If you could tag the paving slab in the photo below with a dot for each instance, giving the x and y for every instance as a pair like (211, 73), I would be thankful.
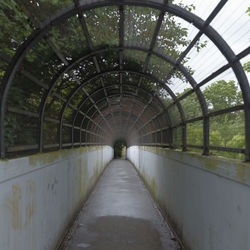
(120, 214)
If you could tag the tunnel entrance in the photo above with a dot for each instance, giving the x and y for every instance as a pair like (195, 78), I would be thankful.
(120, 149)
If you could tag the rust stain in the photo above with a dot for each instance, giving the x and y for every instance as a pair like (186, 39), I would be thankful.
(30, 207)
(14, 207)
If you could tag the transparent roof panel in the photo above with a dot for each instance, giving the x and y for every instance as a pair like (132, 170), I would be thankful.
(175, 35)
(235, 30)
(139, 25)
(39, 11)
(159, 67)
(108, 60)
(134, 59)
(103, 25)
(69, 38)
(203, 60)
(200, 8)
(178, 83)
(131, 78)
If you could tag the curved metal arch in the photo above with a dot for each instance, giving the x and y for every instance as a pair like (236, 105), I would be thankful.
(110, 86)
(132, 94)
(95, 76)
(99, 101)
(199, 23)
(113, 95)
(128, 93)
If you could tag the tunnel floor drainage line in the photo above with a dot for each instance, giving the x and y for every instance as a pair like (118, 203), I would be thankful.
(120, 215)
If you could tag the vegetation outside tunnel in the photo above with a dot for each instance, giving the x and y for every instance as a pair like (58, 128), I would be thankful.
(119, 149)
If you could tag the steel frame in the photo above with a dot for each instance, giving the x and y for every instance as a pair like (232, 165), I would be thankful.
(203, 26)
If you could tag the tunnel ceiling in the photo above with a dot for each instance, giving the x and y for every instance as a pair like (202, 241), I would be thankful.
(77, 73)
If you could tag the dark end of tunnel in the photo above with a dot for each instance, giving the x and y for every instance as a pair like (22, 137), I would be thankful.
(120, 149)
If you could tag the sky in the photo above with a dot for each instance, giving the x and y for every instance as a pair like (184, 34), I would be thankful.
(232, 23)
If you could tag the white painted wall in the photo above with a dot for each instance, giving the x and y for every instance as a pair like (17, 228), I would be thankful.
(206, 199)
(40, 195)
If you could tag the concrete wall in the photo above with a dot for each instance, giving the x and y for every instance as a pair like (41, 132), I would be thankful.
(40, 195)
(205, 199)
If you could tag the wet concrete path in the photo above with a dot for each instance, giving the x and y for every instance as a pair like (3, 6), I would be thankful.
(120, 215)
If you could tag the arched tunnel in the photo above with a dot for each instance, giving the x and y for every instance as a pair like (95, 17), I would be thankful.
(167, 78)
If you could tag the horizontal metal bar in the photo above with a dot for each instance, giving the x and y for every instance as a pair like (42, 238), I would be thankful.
(227, 110)
(233, 150)
(48, 119)
(56, 145)
(21, 148)
(22, 112)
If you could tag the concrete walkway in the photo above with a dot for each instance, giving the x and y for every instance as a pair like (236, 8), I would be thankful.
(120, 215)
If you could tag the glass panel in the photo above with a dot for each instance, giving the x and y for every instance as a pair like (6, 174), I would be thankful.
(50, 132)
(108, 60)
(178, 83)
(149, 85)
(68, 115)
(66, 134)
(40, 10)
(25, 94)
(195, 133)
(191, 106)
(134, 59)
(20, 130)
(174, 115)
(200, 8)
(86, 106)
(130, 78)
(14, 27)
(68, 36)
(139, 25)
(78, 98)
(159, 67)
(110, 79)
(204, 60)
(42, 62)
(222, 92)
(53, 107)
(177, 137)
(233, 25)
(76, 135)
(103, 25)
(175, 35)
(228, 130)
(93, 85)
(65, 86)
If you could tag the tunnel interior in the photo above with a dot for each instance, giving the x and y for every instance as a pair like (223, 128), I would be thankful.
(82, 81)
(79, 73)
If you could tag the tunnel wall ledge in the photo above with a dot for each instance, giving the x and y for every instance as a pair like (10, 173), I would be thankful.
(42, 193)
(205, 199)
(235, 170)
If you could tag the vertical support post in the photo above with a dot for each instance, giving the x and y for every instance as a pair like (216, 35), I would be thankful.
(184, 137)
(206, 135)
